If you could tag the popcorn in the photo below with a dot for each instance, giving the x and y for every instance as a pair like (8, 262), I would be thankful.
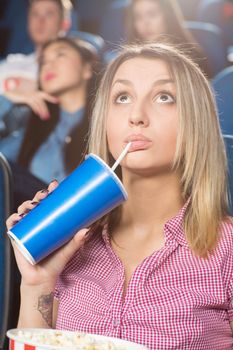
(66, 340)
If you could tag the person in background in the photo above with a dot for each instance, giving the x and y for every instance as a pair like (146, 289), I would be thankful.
(53, 147)
(153, 20)
(18, 71)
(158, 270)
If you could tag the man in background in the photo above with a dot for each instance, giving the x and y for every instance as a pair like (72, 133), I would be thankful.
(45, 22)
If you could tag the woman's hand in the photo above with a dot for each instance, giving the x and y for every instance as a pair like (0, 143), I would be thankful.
(34, 99)
(47, 271)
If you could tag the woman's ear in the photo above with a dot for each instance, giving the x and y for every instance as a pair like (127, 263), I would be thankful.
(87, 71)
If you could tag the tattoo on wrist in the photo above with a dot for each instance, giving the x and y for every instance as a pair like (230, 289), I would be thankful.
(45, 307)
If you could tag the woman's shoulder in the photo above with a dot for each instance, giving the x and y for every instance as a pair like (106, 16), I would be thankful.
(226, 234)
(223, 254)
(226, 225)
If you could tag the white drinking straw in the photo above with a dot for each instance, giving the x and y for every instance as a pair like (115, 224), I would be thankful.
(121, 156)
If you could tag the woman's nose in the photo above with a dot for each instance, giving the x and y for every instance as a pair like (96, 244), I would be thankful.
(50, 63)
(139, 116)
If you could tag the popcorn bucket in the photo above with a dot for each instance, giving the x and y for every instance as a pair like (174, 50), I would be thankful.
(44, 339)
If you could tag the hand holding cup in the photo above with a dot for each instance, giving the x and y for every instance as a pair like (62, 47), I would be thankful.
(48, 270)
(91, 191)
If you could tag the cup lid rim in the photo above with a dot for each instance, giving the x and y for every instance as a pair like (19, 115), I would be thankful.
(121, 186)
(21, 247)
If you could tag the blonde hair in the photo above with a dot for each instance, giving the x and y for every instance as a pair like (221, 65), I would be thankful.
(200, 152)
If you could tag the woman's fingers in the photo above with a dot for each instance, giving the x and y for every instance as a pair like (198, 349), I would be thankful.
(40, 195)
(27, 206)
(23, 209)
(12, 220)
(53, 184)
(48, 97)
(36, 100)
(70, 248)
(39, 106)
(44, 193)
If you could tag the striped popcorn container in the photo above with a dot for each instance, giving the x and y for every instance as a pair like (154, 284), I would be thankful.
(51, 339)
(20, 340)
(16, 345)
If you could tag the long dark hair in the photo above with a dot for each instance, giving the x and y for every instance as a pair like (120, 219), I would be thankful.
(176, 32)
(173, 18)
(38, 130)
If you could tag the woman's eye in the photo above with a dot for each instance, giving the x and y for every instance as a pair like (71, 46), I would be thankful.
(123, 99)
(165, 98)
(60, 54)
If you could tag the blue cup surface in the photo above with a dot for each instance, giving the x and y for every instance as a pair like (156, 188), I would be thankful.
(88, 193)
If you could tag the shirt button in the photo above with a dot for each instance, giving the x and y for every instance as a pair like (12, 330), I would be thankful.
(67, 139)
(116, 322)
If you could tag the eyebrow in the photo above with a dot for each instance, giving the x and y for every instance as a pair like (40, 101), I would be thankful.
(56, 49)
(156, 83)
(61, 46)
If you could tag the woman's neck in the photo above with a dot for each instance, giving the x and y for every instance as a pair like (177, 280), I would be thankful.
(151, 201)
(38, 48)
(71, 101)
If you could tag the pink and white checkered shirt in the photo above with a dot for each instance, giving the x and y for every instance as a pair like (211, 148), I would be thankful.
(175, 300)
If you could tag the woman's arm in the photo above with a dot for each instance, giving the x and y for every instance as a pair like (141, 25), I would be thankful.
(36, 309)
(55, 312)
(45, 305)
(38, 281)
(231, 323)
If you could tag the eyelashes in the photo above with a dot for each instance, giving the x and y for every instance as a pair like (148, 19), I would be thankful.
(119, 94)
(170, 97)
(162, 97)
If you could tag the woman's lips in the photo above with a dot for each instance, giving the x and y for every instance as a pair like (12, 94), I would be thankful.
(139, 145)
(49, 76)
(138, 142)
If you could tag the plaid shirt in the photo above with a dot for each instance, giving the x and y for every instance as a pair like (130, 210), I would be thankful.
(174, 300)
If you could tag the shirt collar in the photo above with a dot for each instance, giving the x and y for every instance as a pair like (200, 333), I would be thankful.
(173, 228)
(72, 117)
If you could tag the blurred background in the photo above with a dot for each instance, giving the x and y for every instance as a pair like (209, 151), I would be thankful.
(102, 17)
(205, 24)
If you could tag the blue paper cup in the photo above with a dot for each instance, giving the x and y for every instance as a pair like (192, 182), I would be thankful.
(88, 193)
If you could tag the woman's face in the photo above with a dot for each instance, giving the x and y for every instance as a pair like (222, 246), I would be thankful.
(148, 20)
(62, 69)
(143, 110)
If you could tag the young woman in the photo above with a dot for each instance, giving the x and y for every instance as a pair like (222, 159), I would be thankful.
(53, 143)
(158, 271)
(152, 20)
